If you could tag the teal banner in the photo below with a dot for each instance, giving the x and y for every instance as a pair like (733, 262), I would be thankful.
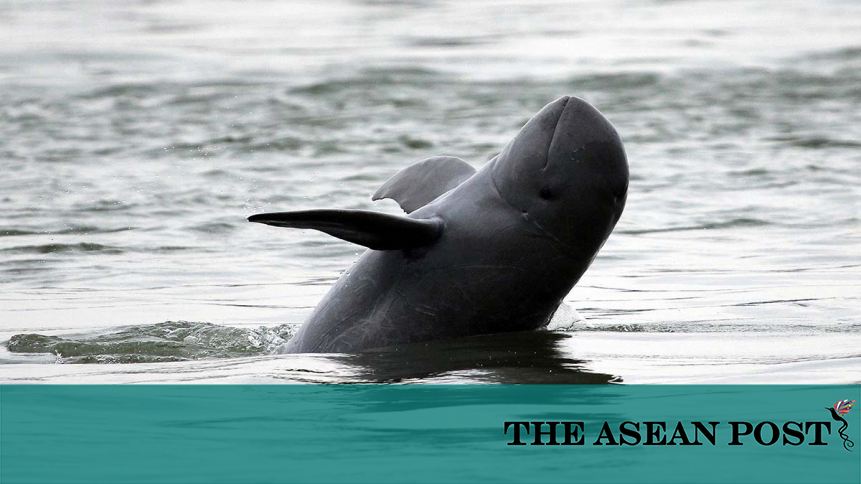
(429, 433)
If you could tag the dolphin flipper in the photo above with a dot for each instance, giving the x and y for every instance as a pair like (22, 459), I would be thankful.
(378, 231)
(420, 183)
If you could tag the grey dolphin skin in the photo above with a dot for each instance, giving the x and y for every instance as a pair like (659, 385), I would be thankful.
(488, 251)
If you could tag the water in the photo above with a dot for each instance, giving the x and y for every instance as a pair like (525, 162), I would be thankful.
(135, 138)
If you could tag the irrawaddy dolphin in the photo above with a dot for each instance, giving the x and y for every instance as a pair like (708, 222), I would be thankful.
(487, 251)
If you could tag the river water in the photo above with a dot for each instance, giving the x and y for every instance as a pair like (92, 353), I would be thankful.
(135, 137)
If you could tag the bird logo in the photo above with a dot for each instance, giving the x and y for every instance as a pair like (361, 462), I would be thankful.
(841, 408)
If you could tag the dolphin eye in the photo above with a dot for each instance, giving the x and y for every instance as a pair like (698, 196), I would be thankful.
(545, 193)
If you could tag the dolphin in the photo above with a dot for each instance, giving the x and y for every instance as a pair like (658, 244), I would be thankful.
(488, 251)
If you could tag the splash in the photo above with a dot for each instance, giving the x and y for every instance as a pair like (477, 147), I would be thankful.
(167, 341)
(565, 319)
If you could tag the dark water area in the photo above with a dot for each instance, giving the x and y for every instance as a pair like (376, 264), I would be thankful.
(136, 138)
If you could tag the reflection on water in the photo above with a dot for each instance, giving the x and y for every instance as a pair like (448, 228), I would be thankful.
(522, 357)
(135, 138)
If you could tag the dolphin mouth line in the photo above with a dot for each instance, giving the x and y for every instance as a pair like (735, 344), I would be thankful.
(570, 250)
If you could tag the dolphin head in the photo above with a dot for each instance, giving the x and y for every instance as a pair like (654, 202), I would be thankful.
(567, 173)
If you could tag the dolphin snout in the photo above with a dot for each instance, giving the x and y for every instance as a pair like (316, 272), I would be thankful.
(576, 114)
(579, 125)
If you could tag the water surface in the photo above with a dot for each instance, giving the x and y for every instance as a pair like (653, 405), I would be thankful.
(135, 138)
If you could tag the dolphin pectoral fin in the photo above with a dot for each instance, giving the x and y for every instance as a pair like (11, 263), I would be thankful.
(418, 184)
(378, 231)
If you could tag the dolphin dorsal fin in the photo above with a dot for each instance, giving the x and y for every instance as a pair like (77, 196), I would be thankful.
(418, 184)
(374, 230)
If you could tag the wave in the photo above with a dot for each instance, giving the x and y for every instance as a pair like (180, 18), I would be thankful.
(742, 222)
(54, 248)
(167, 341)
